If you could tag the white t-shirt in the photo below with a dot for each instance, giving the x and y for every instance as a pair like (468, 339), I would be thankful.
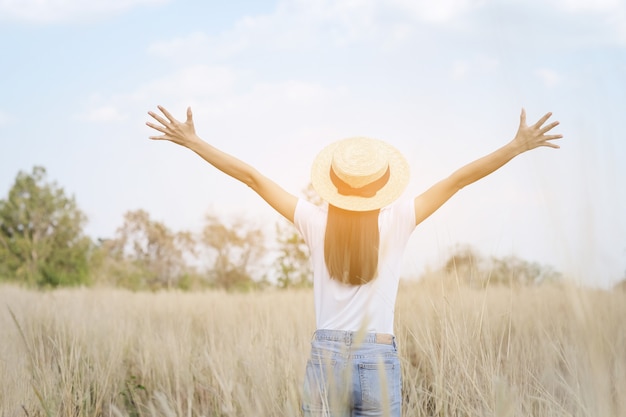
(371, 306)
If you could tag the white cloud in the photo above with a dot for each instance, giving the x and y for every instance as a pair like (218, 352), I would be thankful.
(104, 114)
(46, 11)
(549, 77)
(437, 11)
(582, 6)
(283, 29)
(189, 85)
(197, 81)
(611, 13)
(184, 46)
(377, 19)
(222, 95)
(299, 24)
(284, 97)
(307, 24)
(479, 65)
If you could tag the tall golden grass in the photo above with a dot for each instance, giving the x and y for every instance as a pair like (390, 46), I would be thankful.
(537, 351)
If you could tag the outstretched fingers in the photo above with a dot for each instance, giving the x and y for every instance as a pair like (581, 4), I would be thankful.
(165, 124)
(162, 127)
(541, 121)
(545, 129)
(553, 137)
(542, 130)
(159, 128)
(167, 114)
(548, 138)
(548, 127)
(157, 118)
(551, 145)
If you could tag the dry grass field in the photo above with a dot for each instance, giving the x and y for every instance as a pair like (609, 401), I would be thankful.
(540, 351)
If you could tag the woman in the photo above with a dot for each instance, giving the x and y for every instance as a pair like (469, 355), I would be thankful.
(356, 246)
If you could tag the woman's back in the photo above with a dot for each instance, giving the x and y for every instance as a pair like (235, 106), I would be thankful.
(368, 307)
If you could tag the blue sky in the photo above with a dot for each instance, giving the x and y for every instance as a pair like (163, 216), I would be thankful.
(272, 82)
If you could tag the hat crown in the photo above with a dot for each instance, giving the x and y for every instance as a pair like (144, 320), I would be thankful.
(359, 162)
(359, 174)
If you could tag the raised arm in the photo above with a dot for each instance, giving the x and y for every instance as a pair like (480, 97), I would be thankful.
(527, 138)
(184, 134)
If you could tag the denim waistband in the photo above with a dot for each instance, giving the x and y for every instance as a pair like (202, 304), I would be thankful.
(350, 337)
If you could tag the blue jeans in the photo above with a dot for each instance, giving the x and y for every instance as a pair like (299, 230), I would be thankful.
(352, 375)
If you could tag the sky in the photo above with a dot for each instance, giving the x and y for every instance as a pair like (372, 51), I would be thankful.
(273, 82)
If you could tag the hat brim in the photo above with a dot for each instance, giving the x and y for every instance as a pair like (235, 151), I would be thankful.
(391, 191)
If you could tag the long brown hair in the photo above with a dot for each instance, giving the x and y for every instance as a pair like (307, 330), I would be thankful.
(351, 245)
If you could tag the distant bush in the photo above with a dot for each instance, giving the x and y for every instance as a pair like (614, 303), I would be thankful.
(466, 266)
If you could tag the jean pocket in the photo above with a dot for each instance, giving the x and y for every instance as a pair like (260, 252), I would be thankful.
(324, 385)
(380, 385)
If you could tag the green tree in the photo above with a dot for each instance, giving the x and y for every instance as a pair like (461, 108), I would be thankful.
(146, 253)
(41, 234)
(292, 266)
(234, 250)
(110, 266)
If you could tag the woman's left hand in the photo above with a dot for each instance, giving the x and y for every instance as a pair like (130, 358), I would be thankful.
(181, 133)
(531, 137)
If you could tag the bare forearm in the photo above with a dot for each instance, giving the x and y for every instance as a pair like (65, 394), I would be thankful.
(484, 166)
(226, 163)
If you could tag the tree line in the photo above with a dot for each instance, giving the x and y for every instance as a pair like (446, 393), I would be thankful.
(43, 244)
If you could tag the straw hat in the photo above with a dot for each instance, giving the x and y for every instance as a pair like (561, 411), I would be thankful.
(359, 174)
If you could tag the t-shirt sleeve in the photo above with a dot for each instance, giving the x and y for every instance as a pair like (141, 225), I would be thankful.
(305, 218)
(403, 223)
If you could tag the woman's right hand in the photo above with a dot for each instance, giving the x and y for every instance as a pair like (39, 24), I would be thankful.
(181, 133)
